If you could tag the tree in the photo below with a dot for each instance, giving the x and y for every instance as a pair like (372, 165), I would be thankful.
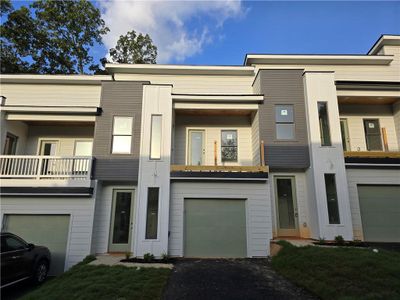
(134, 49)
(55, 35)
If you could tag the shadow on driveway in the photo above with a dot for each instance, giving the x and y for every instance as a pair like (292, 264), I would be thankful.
(19, 289)
(229, 279)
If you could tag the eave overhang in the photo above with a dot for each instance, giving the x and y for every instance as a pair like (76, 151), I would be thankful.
(179, 69)
(53, 79)
(318, 59)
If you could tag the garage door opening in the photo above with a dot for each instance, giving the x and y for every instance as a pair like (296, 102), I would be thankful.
(44, 230)
(380, 212)
(215, 228)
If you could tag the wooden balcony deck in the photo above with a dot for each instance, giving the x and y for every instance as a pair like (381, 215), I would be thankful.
(372, 154)
(246, 169)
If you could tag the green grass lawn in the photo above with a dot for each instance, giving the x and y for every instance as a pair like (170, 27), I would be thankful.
(341, 273)
(104, 282)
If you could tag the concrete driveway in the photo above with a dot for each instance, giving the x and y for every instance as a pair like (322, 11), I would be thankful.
(229, 279)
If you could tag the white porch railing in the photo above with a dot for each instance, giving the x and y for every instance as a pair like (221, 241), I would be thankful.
(45, 167)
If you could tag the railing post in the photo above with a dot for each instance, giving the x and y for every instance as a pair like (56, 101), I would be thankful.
(385, 139)
(262, 157)
(215, 153)
(39, 167)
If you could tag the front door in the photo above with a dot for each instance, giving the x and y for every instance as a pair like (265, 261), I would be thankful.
(287, 216)
(121, 221)
(196, 147)
(373, 135)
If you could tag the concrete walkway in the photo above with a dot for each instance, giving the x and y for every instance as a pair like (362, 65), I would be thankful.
(112, 260)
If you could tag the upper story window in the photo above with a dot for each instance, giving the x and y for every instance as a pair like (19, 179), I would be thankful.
(373, 135)
(122, 135)
(324, 124)
(284, 119)
(229, 146)
(155, 137)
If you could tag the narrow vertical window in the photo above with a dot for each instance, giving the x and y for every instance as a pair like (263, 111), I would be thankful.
(331, 197)
(122, 135)
(229, 145)
(284, 119)
(155, 137)
(324, 124)
(152, 213)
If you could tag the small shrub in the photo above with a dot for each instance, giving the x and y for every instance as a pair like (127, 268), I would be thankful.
(321, 241)
(339, 240)
(164, 256)
(148, 257)
(128, 255)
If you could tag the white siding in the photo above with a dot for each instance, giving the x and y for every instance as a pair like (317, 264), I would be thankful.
(51, 94)
(302, 204)
(81, 219)
(363, 176)
(212, 125)
(351, 72)
(197, 84)
(355, 114)
(102, 215)
(326, 160)
(65, 135)
(258, 211)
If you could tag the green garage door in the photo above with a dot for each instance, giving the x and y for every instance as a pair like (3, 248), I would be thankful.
(215, 228)
(380, 213)
(44, 230)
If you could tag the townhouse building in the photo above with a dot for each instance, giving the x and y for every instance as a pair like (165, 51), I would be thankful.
(204, 161)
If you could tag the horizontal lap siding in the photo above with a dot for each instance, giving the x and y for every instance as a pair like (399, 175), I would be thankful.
(200, 84)
(283, 87)
(212, 127)
(355, 121)
(118, 99)
(81, 219)
(363, 176)
(51, 94)
(258, 218)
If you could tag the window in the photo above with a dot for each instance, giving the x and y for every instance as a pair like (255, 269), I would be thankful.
(331, 197)
(229, 146)
(122, 135)
(284, 119)
(324, 124)
(10, 145)
(373, 135)
(152, 213)
(155, 137)
(14, 244)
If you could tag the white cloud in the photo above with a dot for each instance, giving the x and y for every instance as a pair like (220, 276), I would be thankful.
(170, 23)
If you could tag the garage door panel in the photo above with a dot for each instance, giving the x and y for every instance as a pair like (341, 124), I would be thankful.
(44, 230)
(215, 228)
(380, 213)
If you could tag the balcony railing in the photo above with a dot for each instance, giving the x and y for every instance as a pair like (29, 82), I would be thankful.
(45, 167)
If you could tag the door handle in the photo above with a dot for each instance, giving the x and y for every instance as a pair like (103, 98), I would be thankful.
(296, 215)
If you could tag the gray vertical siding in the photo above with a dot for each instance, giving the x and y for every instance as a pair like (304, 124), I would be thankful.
(283, 87)
(117, 99)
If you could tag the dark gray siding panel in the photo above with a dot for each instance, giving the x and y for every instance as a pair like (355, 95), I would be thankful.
(117, 99)
(283, 87)
(116, 169)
